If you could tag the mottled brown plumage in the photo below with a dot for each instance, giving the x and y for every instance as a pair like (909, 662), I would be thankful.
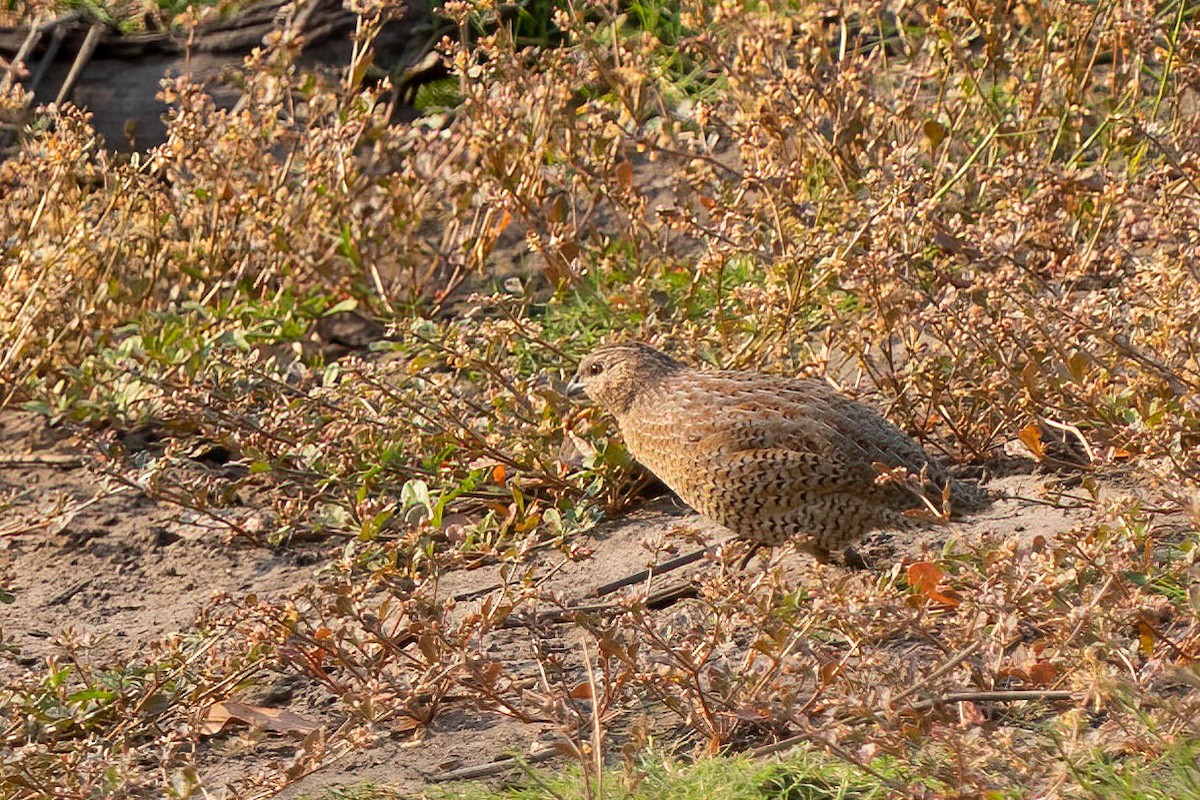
(768, 457)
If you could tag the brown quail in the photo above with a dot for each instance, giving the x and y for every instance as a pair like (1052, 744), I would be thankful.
(771, 458)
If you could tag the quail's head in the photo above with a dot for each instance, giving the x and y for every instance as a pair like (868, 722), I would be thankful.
(613, 374)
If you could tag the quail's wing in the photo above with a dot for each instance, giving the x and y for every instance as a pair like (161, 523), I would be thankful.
(782, 479)
(808, 420)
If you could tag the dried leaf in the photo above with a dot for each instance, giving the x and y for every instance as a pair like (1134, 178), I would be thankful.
(1010, 675)
(1078, 365)
(569, 249)
(1146, 637)
(934, 131)
(1043, 673)
(279, 720)
(556, 209)
(925, 578)
(1031, 437)
(623, 172)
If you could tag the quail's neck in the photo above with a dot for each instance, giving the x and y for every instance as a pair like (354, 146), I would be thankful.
(637, 395)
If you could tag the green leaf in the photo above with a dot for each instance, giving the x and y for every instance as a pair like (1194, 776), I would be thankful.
(95, 693)
(348, 304)
(438, 95)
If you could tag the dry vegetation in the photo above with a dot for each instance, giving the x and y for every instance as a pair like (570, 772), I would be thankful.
(982, 216)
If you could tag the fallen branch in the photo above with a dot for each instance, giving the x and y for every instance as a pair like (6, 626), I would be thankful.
(86, 51)
(44, 460)
(476, 771)
(947, 666)
(657, 569)
(660, 598)
(1010, 696)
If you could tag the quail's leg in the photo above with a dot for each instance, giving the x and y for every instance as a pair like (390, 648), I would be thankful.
(817, 550)
(848, 557)
(755, 546)
(852, 559)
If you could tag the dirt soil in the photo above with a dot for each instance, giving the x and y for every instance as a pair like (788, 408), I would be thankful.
(121, 571)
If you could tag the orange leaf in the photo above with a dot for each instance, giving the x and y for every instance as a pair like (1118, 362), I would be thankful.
(499, 474)
(1007, 674)
(1031, 437)
(1043, 673)
(924, 576)
(1146, 637)
(505, 219)
(530, 522)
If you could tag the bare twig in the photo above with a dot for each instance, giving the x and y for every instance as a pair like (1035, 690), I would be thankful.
(947, 666)
(69, 592)
(59, 460)
(81, 60)
(1012, 696)
(494, 768)
(660, 598)
(657, 569)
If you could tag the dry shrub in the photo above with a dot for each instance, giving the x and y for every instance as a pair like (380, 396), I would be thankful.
(875, 668)
(982, 213)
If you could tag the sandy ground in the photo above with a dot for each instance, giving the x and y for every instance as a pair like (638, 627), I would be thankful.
(122, 571)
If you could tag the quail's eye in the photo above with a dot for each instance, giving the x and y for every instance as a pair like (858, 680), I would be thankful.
(596, 368)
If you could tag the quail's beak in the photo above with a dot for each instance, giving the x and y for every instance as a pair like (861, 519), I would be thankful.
(575, 388)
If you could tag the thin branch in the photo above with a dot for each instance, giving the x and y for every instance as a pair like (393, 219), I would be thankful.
(1012, 696)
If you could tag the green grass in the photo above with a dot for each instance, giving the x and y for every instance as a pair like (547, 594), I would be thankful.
(1171, 776)
(800, 776)
(806, 776)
